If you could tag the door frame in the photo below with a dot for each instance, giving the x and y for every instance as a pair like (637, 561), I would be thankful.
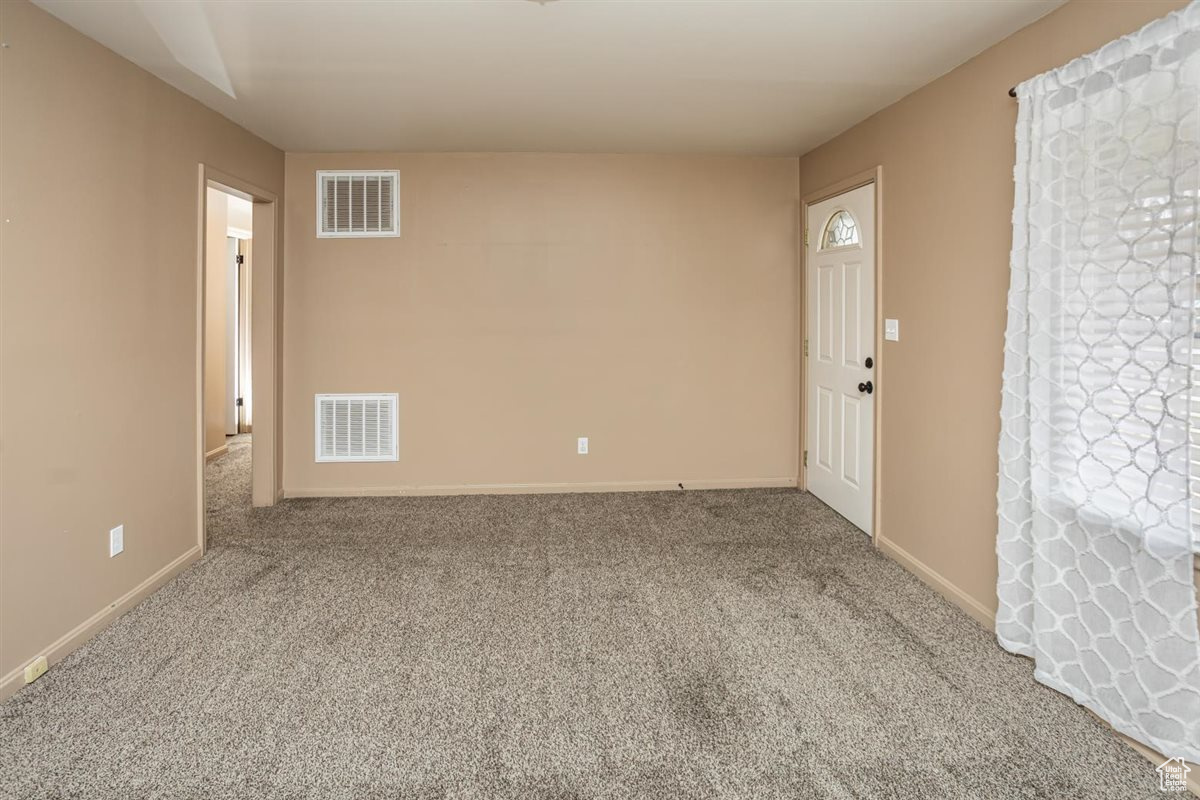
(266, 294)
(856, 181)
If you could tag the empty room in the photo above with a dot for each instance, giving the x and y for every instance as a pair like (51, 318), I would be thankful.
(599, 399)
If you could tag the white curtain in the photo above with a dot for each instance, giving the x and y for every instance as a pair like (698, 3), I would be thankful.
(1097, 473)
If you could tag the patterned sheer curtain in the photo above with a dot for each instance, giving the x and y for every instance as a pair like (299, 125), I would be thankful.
(1097, 447)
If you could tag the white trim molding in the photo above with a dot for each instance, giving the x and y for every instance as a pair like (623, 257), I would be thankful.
(11, 683)
(788, 482)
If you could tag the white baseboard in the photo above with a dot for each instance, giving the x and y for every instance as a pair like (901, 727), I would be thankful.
(979, 612)
(544, 488)
(73, 639)
(216, 452)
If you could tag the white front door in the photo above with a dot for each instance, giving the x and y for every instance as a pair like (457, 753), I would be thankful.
(840, 347)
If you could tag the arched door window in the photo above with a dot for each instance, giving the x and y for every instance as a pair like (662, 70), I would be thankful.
(840, 231)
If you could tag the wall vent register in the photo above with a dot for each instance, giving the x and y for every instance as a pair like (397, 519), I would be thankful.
(357, 427)
(358, 204)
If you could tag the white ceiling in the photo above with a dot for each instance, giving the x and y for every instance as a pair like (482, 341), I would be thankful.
(715, 76)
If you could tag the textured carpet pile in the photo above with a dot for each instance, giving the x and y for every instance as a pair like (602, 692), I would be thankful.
(740, 644)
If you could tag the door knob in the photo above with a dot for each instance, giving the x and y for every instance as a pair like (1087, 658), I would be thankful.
(867, 387)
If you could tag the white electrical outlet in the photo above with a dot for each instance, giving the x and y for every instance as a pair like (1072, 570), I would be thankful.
(583, 445)
(116, 540)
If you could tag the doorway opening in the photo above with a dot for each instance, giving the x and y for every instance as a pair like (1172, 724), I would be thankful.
(237, 284)
(841, 353)
(228, 380)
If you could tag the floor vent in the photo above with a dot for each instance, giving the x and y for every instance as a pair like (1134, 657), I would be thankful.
(362, 203)
(357, 427)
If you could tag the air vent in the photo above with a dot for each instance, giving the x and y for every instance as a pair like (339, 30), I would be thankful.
(357, 427)
(364, 203)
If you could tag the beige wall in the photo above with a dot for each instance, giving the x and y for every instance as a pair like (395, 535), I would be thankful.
(647, 302)
(216, 225)
(98, 326)
(947, 154)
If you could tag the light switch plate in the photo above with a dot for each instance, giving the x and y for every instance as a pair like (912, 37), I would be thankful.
(891, 330)
(583, 446)
(116, 540)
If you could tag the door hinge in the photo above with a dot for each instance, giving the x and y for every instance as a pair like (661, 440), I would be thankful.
(806, 237)
(806, 458)
(238, 402)
(806, 348)
(241, 259)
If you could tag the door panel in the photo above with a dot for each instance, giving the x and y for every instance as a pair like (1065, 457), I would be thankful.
(851, 317)
(840, 329)
(852, 431)
(824, 427)
(825, 313)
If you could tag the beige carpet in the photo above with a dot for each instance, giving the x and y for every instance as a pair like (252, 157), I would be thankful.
(745, 644)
